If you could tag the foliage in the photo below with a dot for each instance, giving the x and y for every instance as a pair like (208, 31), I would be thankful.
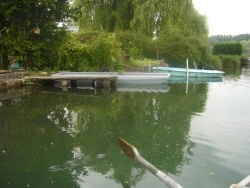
(105, 53)
(228, 38)
(157, 18)
(144, 62)
(172, 29)
(244, 39)
(230, 60)
(232, 48)
(90, 52)
(213, 62)
(29, 27)
(246, 48)
(176, 30)
(133, 44)
(175, 49)
(107, 16)
(71, 55)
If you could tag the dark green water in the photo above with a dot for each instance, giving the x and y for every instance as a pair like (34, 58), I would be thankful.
(51, 138)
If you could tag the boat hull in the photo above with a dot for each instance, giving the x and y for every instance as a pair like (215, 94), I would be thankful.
(194, 79)
(182, 72)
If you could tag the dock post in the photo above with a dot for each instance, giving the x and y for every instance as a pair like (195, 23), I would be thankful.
(113, 83)
(94, 84)
(106, 84)
(73, 83)
(64, 83)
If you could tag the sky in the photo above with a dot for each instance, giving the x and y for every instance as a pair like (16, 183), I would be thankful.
(225, 17)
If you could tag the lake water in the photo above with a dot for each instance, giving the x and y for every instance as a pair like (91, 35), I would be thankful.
(199, 134)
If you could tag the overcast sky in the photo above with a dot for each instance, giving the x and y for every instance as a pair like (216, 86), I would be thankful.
(225, 17)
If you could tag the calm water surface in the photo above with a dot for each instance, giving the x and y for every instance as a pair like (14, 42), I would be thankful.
(199, 135)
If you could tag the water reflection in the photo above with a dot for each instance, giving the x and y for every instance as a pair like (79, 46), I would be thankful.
(64, 139)
(193, 80)
(51, 138)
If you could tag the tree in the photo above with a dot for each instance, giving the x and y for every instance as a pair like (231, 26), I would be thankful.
(104, 15)
(162, 20)
(28, 27)
(229, 38)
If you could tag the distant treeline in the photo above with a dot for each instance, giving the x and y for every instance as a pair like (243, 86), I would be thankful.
(228, 38)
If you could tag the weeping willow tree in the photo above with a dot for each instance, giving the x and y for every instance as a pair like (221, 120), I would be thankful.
(149, 17)
(173, 16)
(175, 27)
(104, 15)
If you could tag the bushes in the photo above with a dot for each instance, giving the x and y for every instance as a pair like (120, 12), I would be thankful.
(213, 62)
(228, 53)
(230, 60)
(232, 48)
(105, 53)
(72, 56)
(222, 61)
(133, 44)
(35, 51)
(85, 52)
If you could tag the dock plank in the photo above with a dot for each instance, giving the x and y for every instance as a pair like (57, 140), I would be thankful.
(83, 77)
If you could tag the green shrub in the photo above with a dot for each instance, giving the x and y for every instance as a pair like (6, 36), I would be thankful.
(133, 44)
(87, 53)
(105, 53)
(231, 48)
(73, 56)
(230, 60)
(214, 63)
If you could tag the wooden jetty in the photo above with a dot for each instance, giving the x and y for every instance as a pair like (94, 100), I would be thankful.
(108, 81)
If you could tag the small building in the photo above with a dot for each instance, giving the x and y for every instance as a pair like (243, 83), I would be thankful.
(72, 28)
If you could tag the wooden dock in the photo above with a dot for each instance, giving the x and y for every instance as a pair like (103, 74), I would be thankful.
(108, 81)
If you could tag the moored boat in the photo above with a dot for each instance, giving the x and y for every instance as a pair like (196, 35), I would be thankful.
(184, 72)
(245, 61)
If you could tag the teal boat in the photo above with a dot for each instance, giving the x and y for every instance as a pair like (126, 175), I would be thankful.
(184, 72)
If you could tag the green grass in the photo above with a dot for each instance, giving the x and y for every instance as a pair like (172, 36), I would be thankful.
(144, 62)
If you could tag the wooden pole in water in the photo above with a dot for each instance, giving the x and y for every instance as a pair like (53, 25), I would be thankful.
(187, 85)
(195, 65)
(133, 154)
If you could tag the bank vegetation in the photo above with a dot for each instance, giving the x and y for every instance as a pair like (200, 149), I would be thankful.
(112, 34)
